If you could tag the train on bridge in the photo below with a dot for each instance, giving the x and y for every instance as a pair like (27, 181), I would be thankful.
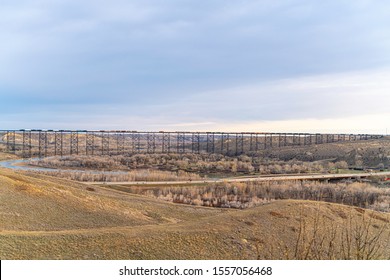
(43, 143)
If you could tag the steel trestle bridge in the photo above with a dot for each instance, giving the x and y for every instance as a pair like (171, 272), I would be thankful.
(43, 143)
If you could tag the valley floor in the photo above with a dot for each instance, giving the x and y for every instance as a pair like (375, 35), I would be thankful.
(42, 217)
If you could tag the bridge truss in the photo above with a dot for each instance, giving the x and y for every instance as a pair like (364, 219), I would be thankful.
(43, 143)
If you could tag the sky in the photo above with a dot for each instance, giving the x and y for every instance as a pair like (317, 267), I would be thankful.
(187, 65)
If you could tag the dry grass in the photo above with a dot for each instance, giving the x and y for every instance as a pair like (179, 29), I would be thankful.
(195, 163)
(64, 220)
(318, 238)
(372, 153)
(130, 176)
(45, 203)
(250, 194)
(7, 156)
(44, 217)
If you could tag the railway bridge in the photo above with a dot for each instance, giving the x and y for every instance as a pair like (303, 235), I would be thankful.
(42, 143)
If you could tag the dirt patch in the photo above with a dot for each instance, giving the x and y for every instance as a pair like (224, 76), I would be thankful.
(379, 217)
(360, 210)
(276, 214)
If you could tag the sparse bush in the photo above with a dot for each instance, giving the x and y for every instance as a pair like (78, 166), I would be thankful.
(130, 176)
(194, 163)
(249, 194)
(358, 236)
(341, 165)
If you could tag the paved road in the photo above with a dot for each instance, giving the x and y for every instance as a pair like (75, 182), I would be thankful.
(13, 164)
(249, 179)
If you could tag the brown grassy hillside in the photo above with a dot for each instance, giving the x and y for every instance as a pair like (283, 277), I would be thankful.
(360, 153)
(47, 218)
(7, 156)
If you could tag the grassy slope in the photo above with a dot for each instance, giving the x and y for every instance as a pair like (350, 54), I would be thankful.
(6, 156)
(46, 218)
(370, 152)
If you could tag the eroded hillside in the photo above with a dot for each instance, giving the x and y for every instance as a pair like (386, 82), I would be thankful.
(47, 218)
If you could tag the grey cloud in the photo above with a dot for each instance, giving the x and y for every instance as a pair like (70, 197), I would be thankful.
(160, 54)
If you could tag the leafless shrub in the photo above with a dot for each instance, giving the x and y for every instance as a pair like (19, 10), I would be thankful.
(130, 176)
(249, 194)
(356, 238)
(199, 163)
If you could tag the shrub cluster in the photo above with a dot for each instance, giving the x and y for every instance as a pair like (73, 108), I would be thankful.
(130, 176)
(197, 163)
(249, 194)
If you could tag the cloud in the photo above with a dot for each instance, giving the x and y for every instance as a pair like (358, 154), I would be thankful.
(172, 62)
(362, 124)
(318, 96)
(356, 101)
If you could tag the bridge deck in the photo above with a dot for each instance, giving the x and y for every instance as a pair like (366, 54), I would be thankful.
(43, 143)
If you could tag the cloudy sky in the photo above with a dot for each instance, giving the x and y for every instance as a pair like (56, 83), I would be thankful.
(234, 65)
